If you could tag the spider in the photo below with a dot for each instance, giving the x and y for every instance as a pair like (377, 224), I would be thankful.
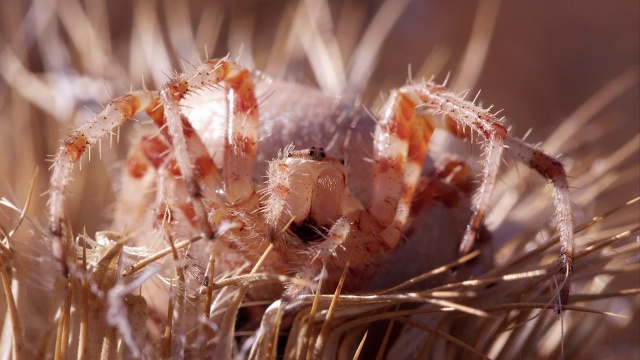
(308, 213)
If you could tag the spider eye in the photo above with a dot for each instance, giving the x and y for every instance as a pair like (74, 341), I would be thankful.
(323, 155)
(342, 161)
(312, 152)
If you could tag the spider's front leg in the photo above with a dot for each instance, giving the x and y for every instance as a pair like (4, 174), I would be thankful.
(242, 124)
(164, 109)
(117, 112)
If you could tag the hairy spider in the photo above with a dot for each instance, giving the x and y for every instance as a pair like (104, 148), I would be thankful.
(201, 169)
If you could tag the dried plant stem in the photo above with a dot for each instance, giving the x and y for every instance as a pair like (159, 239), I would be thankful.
(360, 345)
(83, 349)
(62, 336)
(276, 333)
(211, 274)
(165, 343)
(385, 339)
(23, 213)
(176, 256)
(442, 334)
(227, 326)
(18, 345)
(159, 255)
(306, 346)
(324, 331)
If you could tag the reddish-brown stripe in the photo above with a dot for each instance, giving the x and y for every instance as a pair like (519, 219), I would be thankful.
(244, 101)
(75, 145)
(203, 166)
(546, 166)
(176, 89)
(137, 163)
(189, 212)
(222, 68)
(156, 112)
(497, 130)
(127, 104)
(244, 144)
(420, 138)
(404, 109)
(155, 149)
(457, 173)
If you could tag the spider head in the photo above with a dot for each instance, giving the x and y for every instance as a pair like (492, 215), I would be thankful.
(305, 193)
(313, 153)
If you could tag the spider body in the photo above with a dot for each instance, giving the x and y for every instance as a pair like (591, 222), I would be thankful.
(316, 219)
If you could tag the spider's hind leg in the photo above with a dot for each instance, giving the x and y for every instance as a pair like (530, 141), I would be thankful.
(552, 170)
(466, 114)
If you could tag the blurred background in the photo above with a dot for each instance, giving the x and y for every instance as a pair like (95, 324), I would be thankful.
(60, 60)
(542, 62)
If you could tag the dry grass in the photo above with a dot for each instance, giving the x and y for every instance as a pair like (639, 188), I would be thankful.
(569, 72)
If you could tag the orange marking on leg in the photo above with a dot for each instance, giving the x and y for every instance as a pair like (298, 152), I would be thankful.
(244, 100)
(75, 145)
(173, 167)
(155, 149)
(137, 163)
(187, 128)
(128, 104)
(221, 68)
(457, 173)
(420, 138)
(189, 212)
(495, 130)
(203, 166)
(400, 122)
(156, 112)
(176, 89)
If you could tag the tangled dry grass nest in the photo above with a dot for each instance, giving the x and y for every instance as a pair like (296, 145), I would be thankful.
(557, 64)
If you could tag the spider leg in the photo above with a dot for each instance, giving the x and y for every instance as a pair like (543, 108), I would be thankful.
(157, 150)
(136, 194)
(401, 141)
(117, 112)
(467, 114)
(242, 130)
(552, 170)
(201, 175)
(400, 144)
(449, 182)
(320, 255)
